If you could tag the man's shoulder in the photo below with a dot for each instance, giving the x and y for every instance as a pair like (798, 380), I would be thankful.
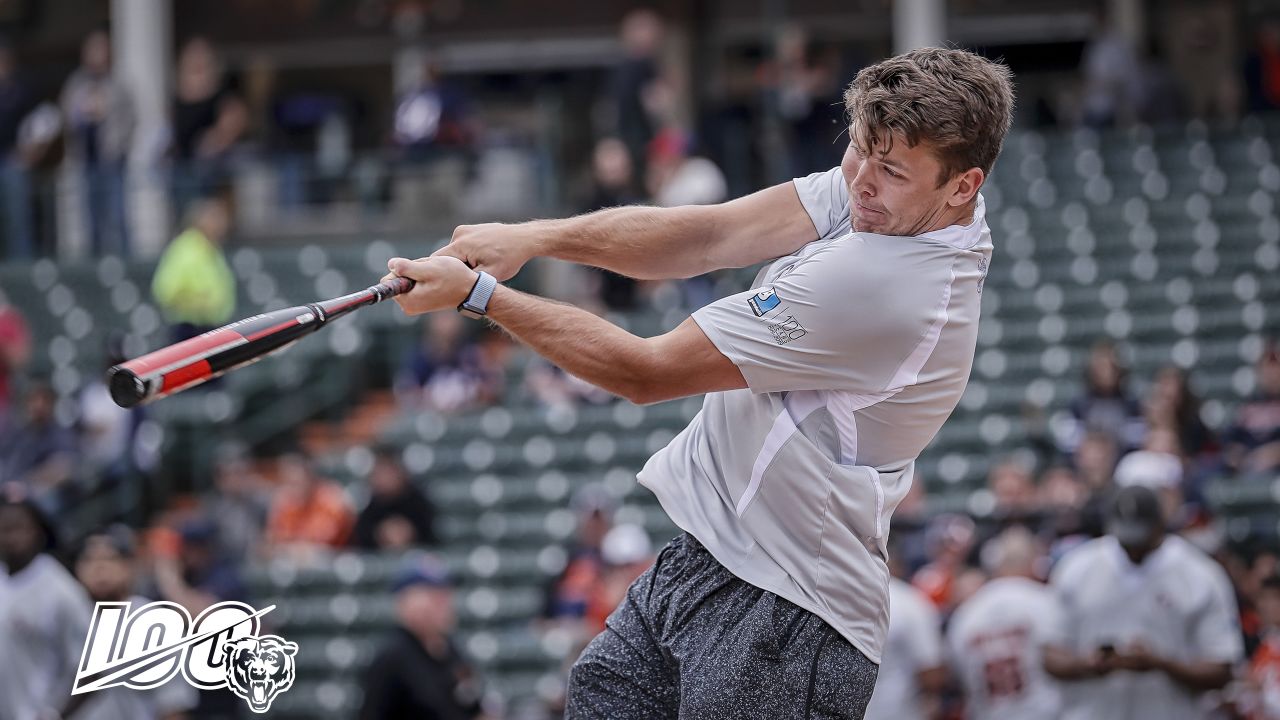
(1187, 558)
(1081, 560)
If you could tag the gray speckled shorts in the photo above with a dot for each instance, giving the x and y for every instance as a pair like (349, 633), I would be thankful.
(692, 641)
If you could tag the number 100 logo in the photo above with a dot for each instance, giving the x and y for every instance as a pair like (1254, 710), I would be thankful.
(146, 648)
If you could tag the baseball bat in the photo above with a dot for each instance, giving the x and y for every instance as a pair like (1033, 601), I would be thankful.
(188, 363)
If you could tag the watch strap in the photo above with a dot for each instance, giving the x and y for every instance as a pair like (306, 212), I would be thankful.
(477, 302)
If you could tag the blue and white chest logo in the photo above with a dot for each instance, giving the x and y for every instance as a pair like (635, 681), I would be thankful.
(764, 301)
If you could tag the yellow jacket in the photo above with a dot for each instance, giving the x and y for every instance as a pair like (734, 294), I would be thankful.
(193, 283)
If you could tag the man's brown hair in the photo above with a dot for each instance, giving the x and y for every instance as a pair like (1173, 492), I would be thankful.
(959, 102)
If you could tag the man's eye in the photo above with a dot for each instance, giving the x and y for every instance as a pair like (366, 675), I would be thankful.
(892, 173)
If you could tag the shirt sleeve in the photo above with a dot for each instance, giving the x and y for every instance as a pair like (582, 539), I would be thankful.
(842, 319)
(825, 198)
(925, 638)
(1217, 634)
(1060, 627)
(1052, 626)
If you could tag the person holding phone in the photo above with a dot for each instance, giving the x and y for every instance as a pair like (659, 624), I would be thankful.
(1148, 621)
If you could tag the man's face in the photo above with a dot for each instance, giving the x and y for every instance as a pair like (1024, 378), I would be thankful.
(1269, 607)
(896, 192)
(19, 536)
(104, 572)
(426, 609)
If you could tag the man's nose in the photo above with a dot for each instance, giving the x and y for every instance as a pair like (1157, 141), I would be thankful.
(862, 184)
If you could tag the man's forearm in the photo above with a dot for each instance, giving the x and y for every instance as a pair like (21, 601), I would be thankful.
(1066, 665)
(1198, 676)
(587, 346)
(646, 243)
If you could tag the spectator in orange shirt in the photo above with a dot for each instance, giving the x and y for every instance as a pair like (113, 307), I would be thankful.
(627, 552)
(1264, 668)
(308, 514)
(949, 538)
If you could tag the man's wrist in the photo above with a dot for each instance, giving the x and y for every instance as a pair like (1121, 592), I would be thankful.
(476, 302)
(538, 238)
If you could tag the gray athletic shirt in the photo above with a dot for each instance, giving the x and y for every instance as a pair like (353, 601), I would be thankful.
(856, 349)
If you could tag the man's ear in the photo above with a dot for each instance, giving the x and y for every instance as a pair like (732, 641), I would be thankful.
(965, 186)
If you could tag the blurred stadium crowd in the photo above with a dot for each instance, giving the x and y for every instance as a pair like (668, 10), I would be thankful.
(1129, 342)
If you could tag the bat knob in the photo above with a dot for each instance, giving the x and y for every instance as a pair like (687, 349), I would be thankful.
(127, 389)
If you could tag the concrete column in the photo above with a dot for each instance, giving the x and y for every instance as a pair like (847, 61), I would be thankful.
(142, 45)
(1127, 16)
(918, 23)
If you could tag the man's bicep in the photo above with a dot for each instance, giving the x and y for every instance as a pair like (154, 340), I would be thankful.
(761, 226)
(686, 362)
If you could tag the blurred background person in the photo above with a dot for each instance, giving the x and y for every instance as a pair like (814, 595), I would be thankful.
(15, 354)
(913, 670)
(1111, 73)
(1105, 406)
(419, 671)
(398, 515)
(310, 515)
(210, 120)
(446, 370)
(44, 618)
(677, 176)
(1172, 405)
(1262, 683)
(613, 184)
(1149, 622)
(568, 595)
(39, 454)
(804, 88)
(1094, 460)
(1253, 439)
(238, 504)
(1013, 487)
(16, 102)
(193, 285)
(995, 638)
(634, 79)
(107, 567)
(948, 541)
(627, 552)
(1204, 54)
(100, 118)
(189, 569)
(432, 118)
(1157, 466)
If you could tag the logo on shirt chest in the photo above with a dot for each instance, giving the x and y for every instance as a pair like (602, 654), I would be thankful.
(764, 301)
(787, 331)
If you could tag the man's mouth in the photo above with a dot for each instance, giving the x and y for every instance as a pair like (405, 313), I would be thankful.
(864, 209)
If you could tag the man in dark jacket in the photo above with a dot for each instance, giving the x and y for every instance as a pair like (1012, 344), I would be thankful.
(419, 673)
(398, 515)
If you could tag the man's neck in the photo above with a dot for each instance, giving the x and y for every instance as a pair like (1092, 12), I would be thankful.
(19, 565)
(433, 642)
(961, 216)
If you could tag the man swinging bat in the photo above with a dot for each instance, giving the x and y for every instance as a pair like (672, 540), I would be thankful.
(823, 382)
